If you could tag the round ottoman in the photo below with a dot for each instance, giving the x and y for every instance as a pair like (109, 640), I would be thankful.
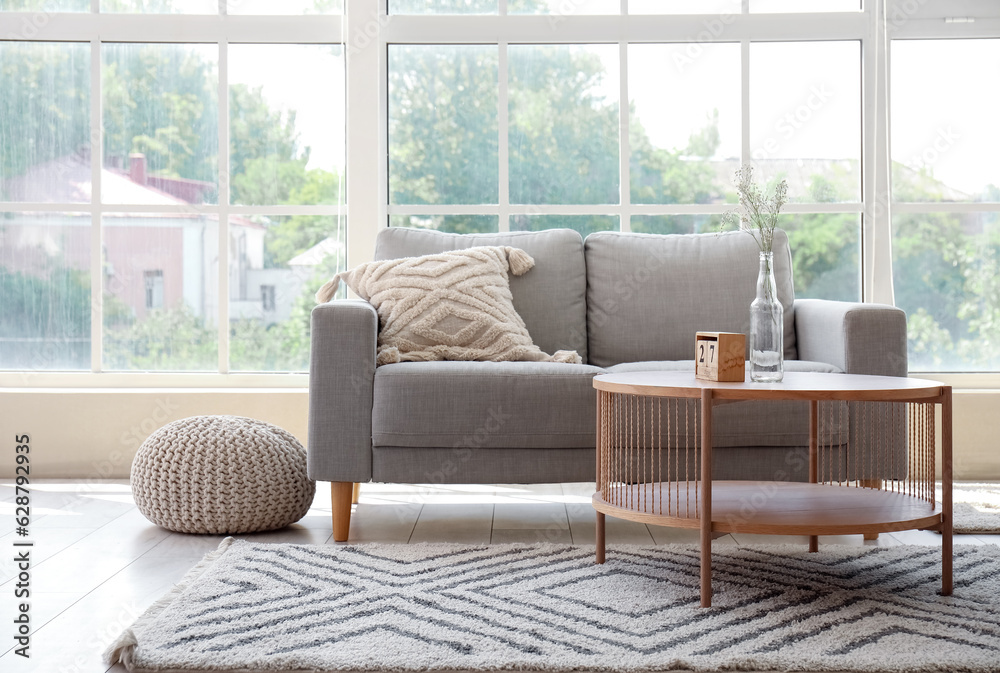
(221, 474)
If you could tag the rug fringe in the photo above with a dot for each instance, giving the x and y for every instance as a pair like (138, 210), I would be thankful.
(122, 649)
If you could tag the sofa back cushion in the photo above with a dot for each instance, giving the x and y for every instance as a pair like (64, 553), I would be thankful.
(648, 294)
(551, 298)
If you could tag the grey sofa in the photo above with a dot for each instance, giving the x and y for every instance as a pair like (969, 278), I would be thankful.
(624, 302)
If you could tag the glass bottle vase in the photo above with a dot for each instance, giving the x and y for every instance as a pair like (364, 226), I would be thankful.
(766, 327)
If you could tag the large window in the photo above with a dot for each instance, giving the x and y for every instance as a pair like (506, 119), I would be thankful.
(174, 184)
(637, 135)
(171, 191)
(946, 184)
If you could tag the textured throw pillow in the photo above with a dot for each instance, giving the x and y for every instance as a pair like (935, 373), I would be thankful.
(449, 306)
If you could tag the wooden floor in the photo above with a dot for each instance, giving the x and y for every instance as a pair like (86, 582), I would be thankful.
(98, 563)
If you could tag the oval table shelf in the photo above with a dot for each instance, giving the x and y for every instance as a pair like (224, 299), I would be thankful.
(889, 488)
(787, 508)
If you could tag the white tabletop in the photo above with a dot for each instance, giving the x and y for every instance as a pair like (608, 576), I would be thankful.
(794, 386)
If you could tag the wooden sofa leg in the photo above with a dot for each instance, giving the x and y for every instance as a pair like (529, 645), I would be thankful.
(341, 494)
(357, 493)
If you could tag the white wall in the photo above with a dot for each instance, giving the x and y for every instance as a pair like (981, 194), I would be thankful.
(976, 433)
(74, 436)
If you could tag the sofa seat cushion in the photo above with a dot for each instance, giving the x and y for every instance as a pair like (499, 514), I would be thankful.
(484, 405)
(752, 423)
(648, 294)
(551, 298)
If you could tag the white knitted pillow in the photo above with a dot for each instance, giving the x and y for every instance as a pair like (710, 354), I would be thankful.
(447, 306)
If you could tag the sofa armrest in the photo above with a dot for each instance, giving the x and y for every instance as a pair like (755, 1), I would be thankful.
(858, 338)
(341, 379)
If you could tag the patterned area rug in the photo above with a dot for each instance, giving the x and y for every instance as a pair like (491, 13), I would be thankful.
(259, 607)
(977, 508)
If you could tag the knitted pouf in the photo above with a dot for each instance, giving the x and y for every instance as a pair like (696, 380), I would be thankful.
(221, 474)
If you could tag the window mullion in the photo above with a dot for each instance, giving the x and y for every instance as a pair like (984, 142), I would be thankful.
(503, 149)
(868, 180)
(96, 219)
(224, 199)
(876, 232)
(945, 207)
(624, 149)
(882, 287)
(367, 124)
(745, 101)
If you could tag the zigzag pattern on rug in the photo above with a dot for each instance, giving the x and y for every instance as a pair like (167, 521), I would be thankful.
(550, 608)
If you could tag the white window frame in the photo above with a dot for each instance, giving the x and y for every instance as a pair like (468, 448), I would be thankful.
(366, 30)
(220, 29)
(861, 26)
(621, 30)
(931, 20)
(873, 26)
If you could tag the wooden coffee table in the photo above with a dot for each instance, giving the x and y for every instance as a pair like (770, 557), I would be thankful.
(654, 460)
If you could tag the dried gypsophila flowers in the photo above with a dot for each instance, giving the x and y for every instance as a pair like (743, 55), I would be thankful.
(758, 211)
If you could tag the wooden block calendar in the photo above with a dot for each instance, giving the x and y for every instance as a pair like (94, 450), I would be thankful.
(720, 356)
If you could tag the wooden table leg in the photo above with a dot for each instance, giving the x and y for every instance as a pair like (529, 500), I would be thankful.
(813, 458)
(706, 498)
(601, 448)
(946, 500)
(600, 537)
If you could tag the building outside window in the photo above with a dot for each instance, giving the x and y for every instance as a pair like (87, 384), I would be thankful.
(146, 184)
(154, 289)
(267, 298)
